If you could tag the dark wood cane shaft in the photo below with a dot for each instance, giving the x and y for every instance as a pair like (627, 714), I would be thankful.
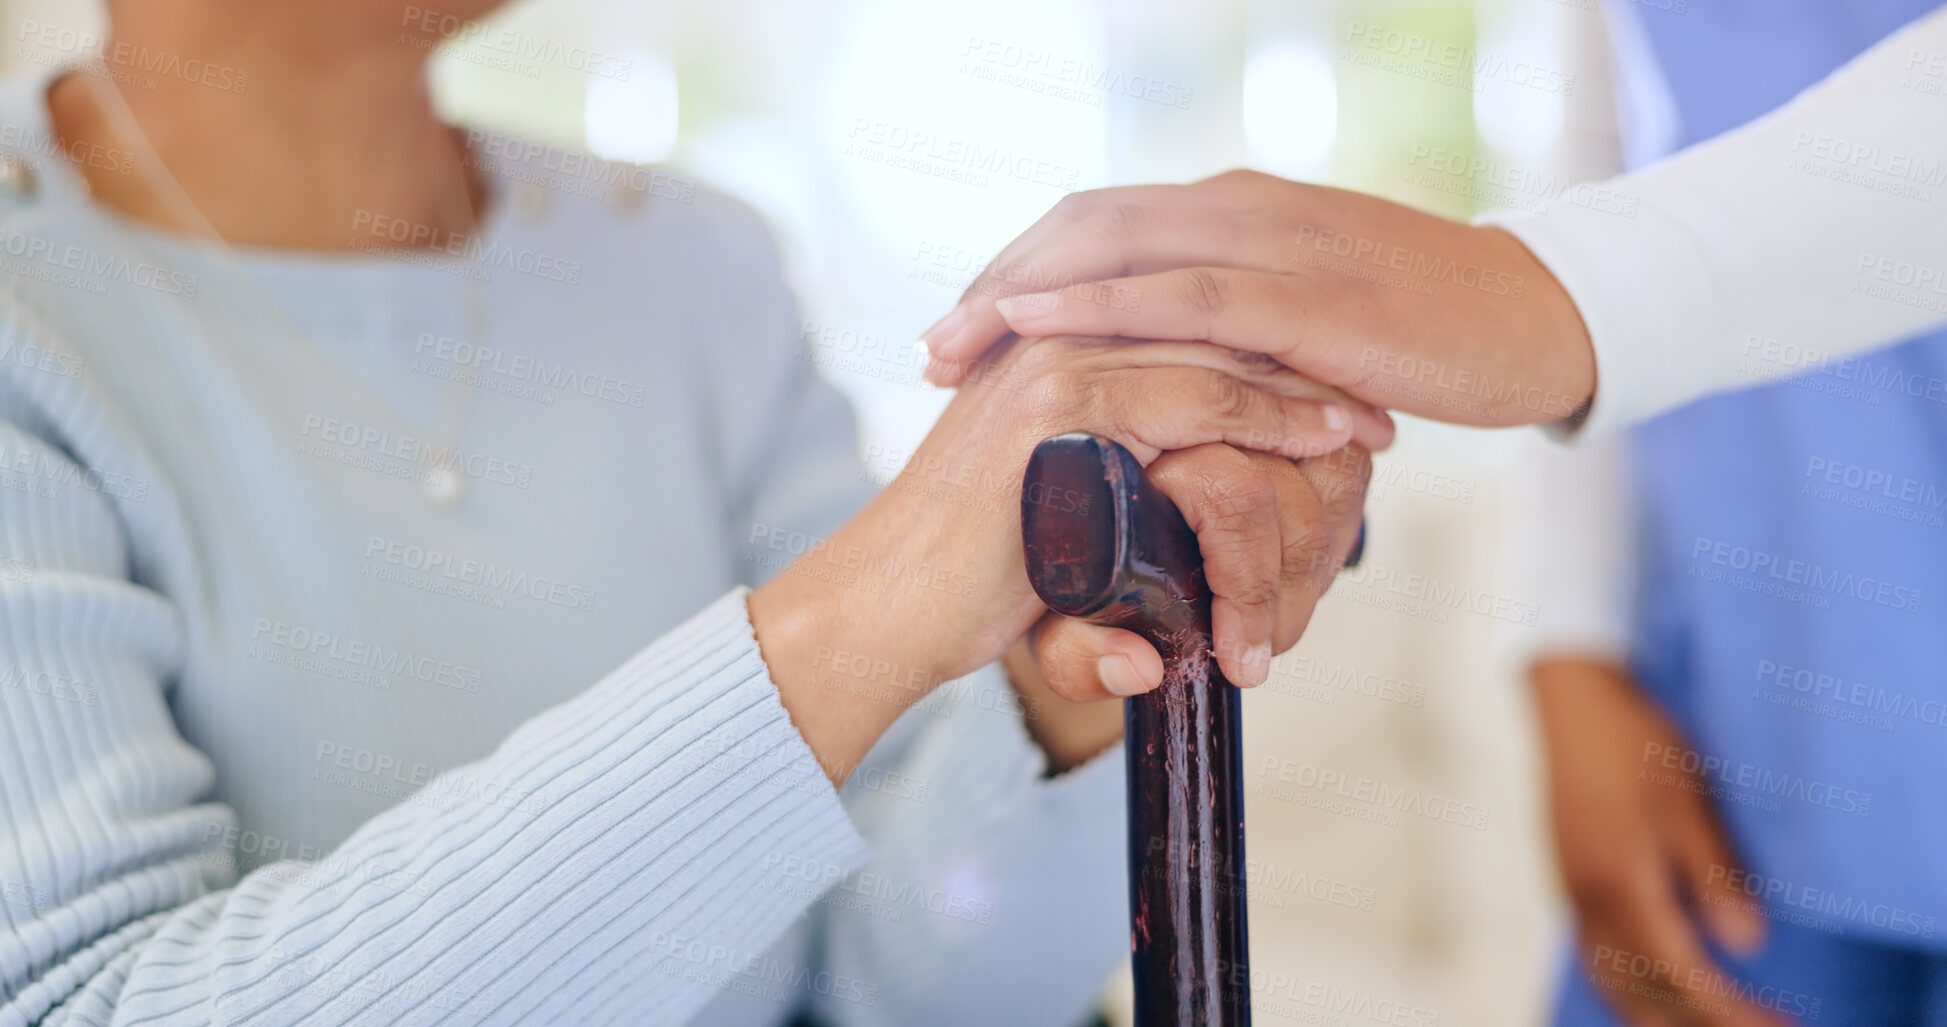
(1104, 545)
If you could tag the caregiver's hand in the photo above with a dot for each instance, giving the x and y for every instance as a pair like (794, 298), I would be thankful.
(1397, 307)
(1647, 867)
(929, 582)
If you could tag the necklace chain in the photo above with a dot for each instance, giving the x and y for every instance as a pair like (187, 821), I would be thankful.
(441, 481)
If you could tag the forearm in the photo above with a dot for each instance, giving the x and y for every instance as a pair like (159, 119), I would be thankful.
(1732, 263)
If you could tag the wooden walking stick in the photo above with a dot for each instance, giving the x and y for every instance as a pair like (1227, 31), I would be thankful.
(1105, 545)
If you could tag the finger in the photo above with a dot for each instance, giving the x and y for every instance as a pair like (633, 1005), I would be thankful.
(1705, 859)
(1372, 429)
(1682, 979)
(1339, 480)
(1085, 662)
(1154, 410)
(1231, 502)
(1329, 495)
(1257, 311)
(1102, 235)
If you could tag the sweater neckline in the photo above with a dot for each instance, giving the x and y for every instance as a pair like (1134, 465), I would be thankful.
(23, 105)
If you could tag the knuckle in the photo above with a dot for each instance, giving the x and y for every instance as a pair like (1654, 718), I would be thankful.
(1053, 395)
(1121, 220)
(1075, 205)
(1203, 292)
(1307, 546)
(1227, 398)
(1237, 176)
(1035, 358)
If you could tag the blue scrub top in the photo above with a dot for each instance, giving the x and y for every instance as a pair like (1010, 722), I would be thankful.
(1794, 611)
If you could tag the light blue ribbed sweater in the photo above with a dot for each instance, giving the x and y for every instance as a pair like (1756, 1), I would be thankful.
(294, 730)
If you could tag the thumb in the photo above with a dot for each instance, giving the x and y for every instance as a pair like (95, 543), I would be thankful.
(1710, 870)
(1086, 662)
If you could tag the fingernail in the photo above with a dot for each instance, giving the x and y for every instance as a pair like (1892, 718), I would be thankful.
(943, 329)
(1257, 666)
(1029, 306)
(1336, 419)
(1119, 675)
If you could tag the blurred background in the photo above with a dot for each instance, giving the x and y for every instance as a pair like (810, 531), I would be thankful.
(894, 147)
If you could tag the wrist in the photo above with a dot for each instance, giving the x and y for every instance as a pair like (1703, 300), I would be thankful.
(854, 634)
(812, 660)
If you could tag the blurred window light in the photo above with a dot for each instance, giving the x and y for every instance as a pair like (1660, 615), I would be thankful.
(1291, 108)
(967, 122)
(1519, 102)
(633, 117)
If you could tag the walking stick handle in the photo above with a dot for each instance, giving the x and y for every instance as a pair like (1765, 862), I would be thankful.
(1105, 545)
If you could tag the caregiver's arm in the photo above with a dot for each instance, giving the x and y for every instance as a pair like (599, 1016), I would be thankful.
(1642, 863)
(1816, 229)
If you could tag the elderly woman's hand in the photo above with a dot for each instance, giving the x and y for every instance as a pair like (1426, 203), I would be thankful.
(1398, 307)
(929, 583)
(1274, 533)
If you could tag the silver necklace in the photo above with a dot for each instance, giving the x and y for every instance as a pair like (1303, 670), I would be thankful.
(443, 485)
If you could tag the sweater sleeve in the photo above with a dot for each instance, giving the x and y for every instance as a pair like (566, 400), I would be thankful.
(995, 894)
(644, 805)
(1807, 235)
